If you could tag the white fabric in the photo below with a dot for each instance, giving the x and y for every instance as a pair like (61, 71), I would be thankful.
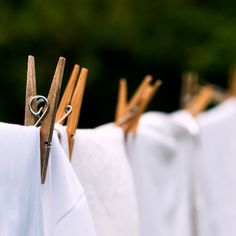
(216, 173)
(101, 164)
(63, 137)
(20, 191)
(65, 208)
(161, 153)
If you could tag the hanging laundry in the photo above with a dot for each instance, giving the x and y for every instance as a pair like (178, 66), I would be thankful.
(101, 164)
(216, 182)
(20, 186)
(65, 208)
(160, 154)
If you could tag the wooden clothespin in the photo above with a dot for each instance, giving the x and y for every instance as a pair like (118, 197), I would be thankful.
(128, 114)
(196, 97)
(124, 110)
(201, 100)
(47, 123)
(146, 99)
(72, 96)
(189, 88)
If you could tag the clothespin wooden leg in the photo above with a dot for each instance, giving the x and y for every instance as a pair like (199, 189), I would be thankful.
(122, 99)
(30, 92)
(66, 98)
(76, 103)
(47, 124)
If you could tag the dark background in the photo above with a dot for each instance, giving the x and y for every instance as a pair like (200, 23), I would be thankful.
(113, 39)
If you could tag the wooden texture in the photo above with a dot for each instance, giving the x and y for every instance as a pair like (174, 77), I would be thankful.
(138, 93)
(76, 102)
(67, 95)
(47, 124)
(149, 93)
(128, 115)
(31, 91)
(122, 99)
(133, 103)
(201, 100)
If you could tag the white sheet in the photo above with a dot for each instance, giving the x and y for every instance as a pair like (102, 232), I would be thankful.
(101, 164)
(161, 154)
(20, 191)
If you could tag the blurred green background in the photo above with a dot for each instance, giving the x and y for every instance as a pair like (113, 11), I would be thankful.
(113, 39)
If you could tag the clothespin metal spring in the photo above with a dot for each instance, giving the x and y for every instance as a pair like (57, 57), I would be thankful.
(41, 113)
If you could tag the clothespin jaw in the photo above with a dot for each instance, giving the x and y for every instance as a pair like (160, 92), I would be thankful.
(67, 96)
(189, 88)
(76, 102)
(201, 100)
(31, 91)
(47, 124)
